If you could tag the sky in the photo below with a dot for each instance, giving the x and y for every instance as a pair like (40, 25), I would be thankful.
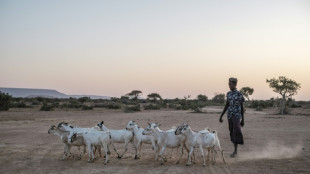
(175, 48)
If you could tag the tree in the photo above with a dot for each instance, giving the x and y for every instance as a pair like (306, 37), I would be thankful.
(219, 98)
(246, 92)
(202, 98)
(5, 100)
(154, 97)
(134, 94)
(285, 87)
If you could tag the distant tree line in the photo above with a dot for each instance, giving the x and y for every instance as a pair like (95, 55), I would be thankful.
(132, 101)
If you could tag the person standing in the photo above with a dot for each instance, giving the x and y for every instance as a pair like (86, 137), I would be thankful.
(234, 105)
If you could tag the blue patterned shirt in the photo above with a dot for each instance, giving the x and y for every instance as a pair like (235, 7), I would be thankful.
(235, 100)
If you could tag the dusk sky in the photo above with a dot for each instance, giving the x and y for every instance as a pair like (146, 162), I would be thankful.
(174, 48)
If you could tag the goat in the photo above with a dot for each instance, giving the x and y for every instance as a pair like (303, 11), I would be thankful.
(118, 136)
(66, 127)
(166, 139)
(141, 138)
(93, 139)
(63, 135)
(201, 140)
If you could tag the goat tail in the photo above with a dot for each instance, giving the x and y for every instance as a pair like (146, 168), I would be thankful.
(215, 132)
(173, 127)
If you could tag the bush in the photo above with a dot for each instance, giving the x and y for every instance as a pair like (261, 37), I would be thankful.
(132, 108)
(151, 107)
(20, 105)
(219, 98)
(108, 105)
(86, 107)
(113, 106)
(197, 106)
(46, 107)
(72, 104)
(84, 99)
(5, 100)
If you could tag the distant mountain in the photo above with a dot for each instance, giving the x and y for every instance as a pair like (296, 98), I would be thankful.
(48, 93)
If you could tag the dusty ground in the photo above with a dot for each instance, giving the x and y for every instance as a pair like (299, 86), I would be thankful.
(273, 143)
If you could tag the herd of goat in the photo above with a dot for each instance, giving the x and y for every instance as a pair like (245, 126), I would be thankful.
(99, 136)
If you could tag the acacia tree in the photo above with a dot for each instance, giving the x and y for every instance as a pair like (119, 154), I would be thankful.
(246, 92)
(285, 87)
(154, 97)
(134, 94)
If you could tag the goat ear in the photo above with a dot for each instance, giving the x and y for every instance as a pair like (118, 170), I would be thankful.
(148, 123)
(159, 125)
(101, 122)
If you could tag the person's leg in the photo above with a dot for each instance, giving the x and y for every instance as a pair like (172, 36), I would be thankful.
(237, 135)
(236, 151)
(231, 133)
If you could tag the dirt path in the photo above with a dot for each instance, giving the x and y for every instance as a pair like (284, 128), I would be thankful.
(273, 143)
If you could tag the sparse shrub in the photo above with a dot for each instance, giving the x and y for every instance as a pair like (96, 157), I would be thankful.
(197, 106)
(5, 100)
(261, 104)
(84, 99)
(72, 104)
(46, 107)
(151, 107)
(110, 105)
(132, 108)
(21, 105)
(113, 106)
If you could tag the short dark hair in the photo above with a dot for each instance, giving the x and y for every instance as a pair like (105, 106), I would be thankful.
(233, 80)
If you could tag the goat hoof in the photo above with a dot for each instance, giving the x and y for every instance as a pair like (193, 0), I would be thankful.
(119, 157)
(136, 157)
(203, 165)
(188, 164)
(178, 162)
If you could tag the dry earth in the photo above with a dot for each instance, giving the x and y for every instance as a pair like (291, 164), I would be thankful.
(273, 143)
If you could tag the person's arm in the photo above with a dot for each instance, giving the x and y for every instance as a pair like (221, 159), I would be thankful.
(224, 110)
(242, 114)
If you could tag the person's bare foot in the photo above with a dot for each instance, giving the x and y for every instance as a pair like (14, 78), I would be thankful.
(233, 155)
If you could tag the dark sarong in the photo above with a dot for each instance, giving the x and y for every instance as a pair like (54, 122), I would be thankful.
(235, 130)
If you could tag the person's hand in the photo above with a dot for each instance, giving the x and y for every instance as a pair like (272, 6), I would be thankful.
(242, 123)
(221, 120)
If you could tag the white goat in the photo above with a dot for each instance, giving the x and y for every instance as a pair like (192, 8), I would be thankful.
(201, 140)
(141, 138)
(66, 127)
(118, 136)
(166, 139)
(63, 135)
(93, 139)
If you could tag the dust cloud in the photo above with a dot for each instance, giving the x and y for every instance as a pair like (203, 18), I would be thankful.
(273, 150)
